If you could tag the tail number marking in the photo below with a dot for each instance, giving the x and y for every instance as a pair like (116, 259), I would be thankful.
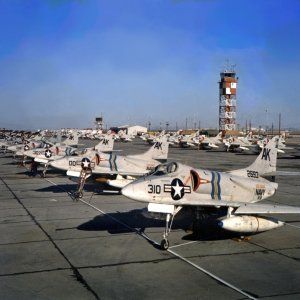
(252, 174)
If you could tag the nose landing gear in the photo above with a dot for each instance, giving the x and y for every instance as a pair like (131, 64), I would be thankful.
(84, 174)
(164, 244)
(45, 170)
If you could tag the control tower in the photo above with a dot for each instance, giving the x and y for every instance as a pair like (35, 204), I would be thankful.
(227, 100)
(99, 123)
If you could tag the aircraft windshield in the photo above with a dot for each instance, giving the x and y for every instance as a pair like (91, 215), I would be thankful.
(164, 169)
(84, 151)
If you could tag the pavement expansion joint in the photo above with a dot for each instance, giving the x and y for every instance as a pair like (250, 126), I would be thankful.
(76, 273)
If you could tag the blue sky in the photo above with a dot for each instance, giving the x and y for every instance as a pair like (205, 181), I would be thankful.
(64, 62)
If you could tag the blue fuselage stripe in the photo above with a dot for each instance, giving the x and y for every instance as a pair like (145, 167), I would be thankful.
(219, 186)
(110, 165)
(115, 162)
(212, 185)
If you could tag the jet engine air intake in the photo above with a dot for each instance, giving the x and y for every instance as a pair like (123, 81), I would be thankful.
(195, 179)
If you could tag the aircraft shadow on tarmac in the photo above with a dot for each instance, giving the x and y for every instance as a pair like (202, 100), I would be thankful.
(61, 188)
(136, 219)
(40, 172)
(97, 189)
(12, 163)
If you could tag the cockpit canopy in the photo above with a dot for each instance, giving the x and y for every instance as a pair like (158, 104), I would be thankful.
(84, 151)
(164, 169)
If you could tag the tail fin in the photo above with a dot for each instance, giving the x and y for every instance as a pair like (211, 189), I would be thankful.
(58, 137)
(55, 139)
(36, 137)
(159, 150)
(266, 160)
(105, 144)
(162, 133)
(216, 139)
(72, 140)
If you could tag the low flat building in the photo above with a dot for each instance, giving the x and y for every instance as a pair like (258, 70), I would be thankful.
(131, 130)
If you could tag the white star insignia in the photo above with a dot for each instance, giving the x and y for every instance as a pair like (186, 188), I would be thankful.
(85, 163)
(48, 153)
(177, 188)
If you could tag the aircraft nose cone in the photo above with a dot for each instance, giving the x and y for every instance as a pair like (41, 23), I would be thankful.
(128, 191)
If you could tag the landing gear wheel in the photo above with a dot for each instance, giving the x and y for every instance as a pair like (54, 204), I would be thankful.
(164, 244)
(77, 195)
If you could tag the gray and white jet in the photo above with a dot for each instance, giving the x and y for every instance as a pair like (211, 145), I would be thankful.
(123, 169)
(172, 186)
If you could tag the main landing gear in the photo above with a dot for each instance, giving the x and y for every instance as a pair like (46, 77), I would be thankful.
(22, 162)
(164, 244)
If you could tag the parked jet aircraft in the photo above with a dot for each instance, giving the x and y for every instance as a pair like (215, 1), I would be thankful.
(239, 145)
(152, 138)
(281, 144)
(55, 152)
(124, 137)
(208, 143)
(38, 141)
(172, 186)
(126, 167)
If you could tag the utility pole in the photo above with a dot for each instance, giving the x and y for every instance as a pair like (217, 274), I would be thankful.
(186, 121)
(279, 125)
(272, 130)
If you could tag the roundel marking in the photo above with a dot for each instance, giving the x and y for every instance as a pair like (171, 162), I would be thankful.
(48, 153)
(177, 189)
(85, 163)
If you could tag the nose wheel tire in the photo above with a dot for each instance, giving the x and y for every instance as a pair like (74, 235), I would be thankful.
(164, 244)
(78, 195)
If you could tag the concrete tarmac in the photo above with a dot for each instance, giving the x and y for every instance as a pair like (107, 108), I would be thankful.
(104, 247)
